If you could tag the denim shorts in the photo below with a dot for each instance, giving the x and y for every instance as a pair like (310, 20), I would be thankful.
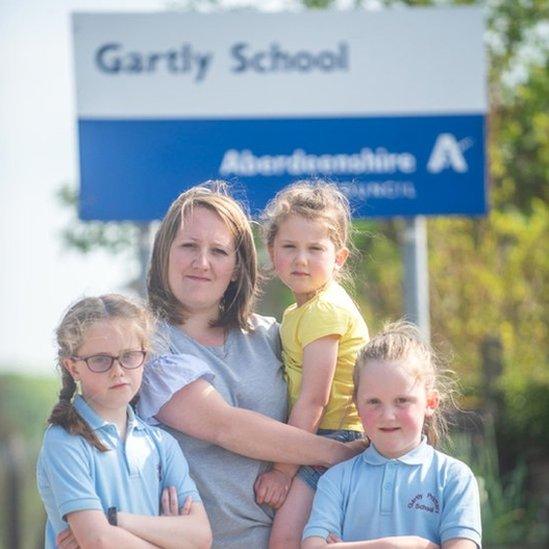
(311, 473)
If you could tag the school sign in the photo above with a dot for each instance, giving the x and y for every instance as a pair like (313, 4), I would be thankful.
(391, 105)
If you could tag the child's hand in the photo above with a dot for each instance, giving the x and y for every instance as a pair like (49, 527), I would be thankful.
(272, 488)
(66, 540)
(170, 502)
(186, 509)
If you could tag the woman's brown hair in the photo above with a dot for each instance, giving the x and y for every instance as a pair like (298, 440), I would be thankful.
(237, 302)
(70, 336)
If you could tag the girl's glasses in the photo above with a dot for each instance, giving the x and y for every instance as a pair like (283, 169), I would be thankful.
(130, 360)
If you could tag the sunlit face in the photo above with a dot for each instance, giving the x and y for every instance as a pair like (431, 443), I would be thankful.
(109, 391)
(392, 405)
(202, 262)
(304, 256)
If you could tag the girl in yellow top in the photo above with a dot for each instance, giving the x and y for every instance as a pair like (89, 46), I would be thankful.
(307, 228)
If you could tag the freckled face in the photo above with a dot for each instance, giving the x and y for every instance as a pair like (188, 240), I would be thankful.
(392, 405)
(304, 256)
(111, 390)
(202, 262)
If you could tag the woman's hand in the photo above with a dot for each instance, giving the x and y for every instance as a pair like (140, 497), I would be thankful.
(272, 488)
(351, 449)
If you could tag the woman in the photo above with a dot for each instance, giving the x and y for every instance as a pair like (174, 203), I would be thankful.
(219, 388)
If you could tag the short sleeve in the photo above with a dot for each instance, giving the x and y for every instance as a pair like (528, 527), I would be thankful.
(177, 470)
(268, 327)
(163, 377)
(327, 513)
(461, 511)
(65, 470)
(323, 319)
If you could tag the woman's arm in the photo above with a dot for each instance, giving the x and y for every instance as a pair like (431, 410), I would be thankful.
(199, 410)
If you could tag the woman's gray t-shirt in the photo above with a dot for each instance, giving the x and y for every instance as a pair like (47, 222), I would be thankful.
(247, 372)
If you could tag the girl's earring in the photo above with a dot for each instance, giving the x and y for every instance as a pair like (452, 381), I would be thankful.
(78, 386)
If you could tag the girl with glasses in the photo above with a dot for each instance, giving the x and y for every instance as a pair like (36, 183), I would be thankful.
(104, 476)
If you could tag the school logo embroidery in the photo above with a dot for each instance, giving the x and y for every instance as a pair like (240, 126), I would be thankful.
(428, 503)
(448, 153)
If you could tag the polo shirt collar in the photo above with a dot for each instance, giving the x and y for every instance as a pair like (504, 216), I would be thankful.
(95, 421)
(420, 454)
(134, 421)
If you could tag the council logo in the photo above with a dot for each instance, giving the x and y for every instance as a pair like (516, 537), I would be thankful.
(447, 154)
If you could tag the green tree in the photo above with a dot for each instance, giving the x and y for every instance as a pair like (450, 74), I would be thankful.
(488, 276)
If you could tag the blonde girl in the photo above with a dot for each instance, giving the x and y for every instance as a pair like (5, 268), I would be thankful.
(103, 474)
(307, 230)
(401, 492)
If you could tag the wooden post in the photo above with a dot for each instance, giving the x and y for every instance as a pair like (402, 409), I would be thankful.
(14, 459)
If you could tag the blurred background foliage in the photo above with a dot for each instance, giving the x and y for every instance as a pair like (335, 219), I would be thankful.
(488, 286)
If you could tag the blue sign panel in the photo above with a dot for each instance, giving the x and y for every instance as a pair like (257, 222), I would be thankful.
(387, 166)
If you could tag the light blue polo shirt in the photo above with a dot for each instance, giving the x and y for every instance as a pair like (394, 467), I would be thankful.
(423, 493)
(72, 475)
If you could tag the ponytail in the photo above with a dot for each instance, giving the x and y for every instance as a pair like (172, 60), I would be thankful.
(65, 415)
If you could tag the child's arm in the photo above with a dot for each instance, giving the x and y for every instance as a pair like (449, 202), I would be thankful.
(190, 531)
(459, 543)
(167, 534)
(460, 522)
(319, 364)
(396, 542)
(91, 530)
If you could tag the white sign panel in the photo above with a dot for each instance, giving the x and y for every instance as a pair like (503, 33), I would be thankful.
(253, 64)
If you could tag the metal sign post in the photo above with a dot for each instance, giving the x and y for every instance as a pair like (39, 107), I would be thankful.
(416, 273)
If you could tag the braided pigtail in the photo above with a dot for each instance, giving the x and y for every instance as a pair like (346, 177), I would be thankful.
(71, 334)
(65, 415)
